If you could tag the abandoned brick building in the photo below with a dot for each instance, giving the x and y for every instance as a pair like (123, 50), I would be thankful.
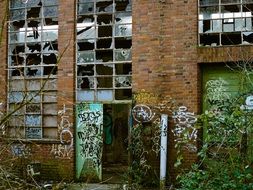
(64, 57)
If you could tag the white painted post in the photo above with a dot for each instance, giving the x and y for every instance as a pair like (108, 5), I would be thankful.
(163, 151)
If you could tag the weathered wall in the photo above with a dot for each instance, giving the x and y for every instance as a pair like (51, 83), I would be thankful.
(165, 55)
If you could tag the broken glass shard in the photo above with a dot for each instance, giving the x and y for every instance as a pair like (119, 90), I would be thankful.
(85, 8)
(33, 71)
(86, 33)
(104, 6)
(123, 18)
(123, 55)
(86, 45)
(85, 83)
(85, 57)
(124, 5)
(87, 20)
(17, 72)
(17, 25)
(123, 81)
(123, 30)
(50, 11)
(50, 34)
(33, 12)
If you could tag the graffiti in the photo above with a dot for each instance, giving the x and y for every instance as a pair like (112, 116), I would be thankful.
(65, 149)
(184, 128)
(89, 138)
(31, 170)
(90, 116)
(20, 150)
(142, 113)
(90, 143)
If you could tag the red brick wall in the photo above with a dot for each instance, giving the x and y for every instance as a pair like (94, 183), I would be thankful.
(165, 55)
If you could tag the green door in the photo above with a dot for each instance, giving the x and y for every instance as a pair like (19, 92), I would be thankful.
(89, 141)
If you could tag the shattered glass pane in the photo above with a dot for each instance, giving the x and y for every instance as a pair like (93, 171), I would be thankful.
(86, 95)
(50, 35)
(104, 82)
(50, 109)
(104, 69)
(33, 71)
(17, 49)
(86, 33)
(16, 4)
(85, 57)
(50, 58)
(33, 120)
(125, 5)
(247, 37)
(105, 43)
(50, 11)
(104, 19)
(17, 14)
(17, 72)
(33, 3)
(86, 45)
(123, 69)
(123, 94)
(123, 30)
(85, 83)
(104, 31)
(123, 81)
(85, 70)
(231, 38)
(104, 6)
(104, 55)
(16, 97)
(33, 12)
(33, 85)
(34, 48)
(208, 12)
(50, 46)
(105, 95)
(17, 25)
(50, 121)
(33, 59)
(123, 55)
(87, 20)
(33, 108)
(51, 22)
(123, 18)
(209, 39)
(85, 8)
(50, 2)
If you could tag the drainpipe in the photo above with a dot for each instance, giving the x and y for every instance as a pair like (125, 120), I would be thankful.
(163, 151)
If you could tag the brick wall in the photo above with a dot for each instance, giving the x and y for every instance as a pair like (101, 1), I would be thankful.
(165, 55)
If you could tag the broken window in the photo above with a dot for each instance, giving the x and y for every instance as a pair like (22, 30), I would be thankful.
(32, 65)
(224, 22)
(104, 42)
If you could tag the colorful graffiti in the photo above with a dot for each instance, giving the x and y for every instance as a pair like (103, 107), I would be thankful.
(20, 150)
(89, 140)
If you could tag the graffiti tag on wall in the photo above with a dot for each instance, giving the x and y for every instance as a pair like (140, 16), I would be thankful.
(89, 139)
(184, 127)
(20, 150)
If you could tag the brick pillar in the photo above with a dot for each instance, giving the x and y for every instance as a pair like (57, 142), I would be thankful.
(66, 66)
(165, 56)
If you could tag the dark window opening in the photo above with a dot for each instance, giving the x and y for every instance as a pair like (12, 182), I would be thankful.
(104, 19)
(86, 83)
(85, 8)
(85, 70)
(51, 21)
(209, 39)
(105, 6)
(247, 8)
(123, 94)
(31, 72)
(248, 37)
(17, 72)
(50, 59)
(50, 70)
(123, 69)
(121, 5)
(34, 12)
(104, 69)
(206, 25)
(34, 47)
(104, 55)
(33, 59)
(104, 43)
(123, 43)
(17, 60)
(104, 31)
(85, 19)
(104, 82)
(231, 38)
(82, 46)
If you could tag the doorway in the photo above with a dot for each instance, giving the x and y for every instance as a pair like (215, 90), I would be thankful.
(115, 142)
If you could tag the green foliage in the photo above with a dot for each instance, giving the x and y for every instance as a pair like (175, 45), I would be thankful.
(226, 154)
